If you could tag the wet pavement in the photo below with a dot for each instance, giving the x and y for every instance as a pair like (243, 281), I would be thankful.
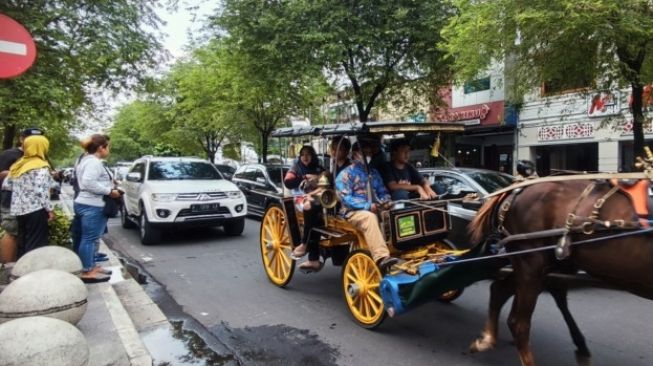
(187, 342)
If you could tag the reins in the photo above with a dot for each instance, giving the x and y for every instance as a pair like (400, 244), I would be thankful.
(552, 232)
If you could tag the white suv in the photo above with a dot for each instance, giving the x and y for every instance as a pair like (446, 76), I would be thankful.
(162, 192)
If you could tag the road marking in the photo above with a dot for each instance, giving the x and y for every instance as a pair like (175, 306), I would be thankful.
(13, 48)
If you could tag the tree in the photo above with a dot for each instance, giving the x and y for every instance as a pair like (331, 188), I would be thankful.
(200, 110)
(611, 40)
(381, 47)
(247, 95)
(138, 128)
(81, 45)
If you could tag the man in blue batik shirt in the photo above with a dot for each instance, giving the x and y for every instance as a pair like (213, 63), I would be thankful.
(360, 205)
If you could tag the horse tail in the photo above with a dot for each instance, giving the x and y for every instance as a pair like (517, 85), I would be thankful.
(480, 225)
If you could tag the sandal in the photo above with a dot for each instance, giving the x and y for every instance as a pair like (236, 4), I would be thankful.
(102, 270)
(299, 252)
(308, 267)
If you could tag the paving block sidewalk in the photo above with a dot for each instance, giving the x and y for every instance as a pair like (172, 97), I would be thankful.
(117, 311)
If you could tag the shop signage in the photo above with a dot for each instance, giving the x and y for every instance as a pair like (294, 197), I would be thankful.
(471, 122)
(628, 128)
(565, 132)
(470, 114)
(602, 104)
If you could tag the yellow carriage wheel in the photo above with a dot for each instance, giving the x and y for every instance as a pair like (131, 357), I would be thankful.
(361, 280)
(276, 247)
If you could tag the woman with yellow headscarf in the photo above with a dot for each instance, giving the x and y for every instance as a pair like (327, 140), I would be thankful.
(29, 180)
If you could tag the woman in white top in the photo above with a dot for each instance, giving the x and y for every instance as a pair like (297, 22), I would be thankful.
(95, 182)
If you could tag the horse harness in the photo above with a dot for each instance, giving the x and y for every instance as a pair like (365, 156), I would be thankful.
(574, 224)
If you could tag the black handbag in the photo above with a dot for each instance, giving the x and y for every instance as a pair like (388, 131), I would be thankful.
(111, 206)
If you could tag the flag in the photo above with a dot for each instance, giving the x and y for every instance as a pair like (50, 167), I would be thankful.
(435, 150)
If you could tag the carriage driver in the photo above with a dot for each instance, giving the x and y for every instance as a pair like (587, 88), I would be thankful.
(361, 195)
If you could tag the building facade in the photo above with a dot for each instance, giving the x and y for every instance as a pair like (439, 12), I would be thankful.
(578, 131)
(489, 138)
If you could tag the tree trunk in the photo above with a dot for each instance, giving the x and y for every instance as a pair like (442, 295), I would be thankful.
(264, 146)
(8, 139)
(638, 120)
(211, 156)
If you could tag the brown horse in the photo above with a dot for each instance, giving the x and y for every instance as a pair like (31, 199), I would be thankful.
(622, 262)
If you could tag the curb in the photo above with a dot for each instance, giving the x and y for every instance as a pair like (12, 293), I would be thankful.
(127, 323)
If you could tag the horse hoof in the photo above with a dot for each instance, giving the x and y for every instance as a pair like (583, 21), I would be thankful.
(480, 345)
(583, 360)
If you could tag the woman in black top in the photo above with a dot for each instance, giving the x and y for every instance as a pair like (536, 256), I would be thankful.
(302, 178)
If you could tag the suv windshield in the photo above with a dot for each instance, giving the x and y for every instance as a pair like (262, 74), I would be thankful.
(491, 181)
(188, 170)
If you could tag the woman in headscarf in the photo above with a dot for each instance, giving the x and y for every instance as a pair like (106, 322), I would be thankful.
(29, 180)
(302, 178)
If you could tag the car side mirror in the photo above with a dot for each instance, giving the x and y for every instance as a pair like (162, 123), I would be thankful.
(134, 177)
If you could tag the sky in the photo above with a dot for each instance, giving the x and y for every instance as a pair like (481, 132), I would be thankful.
(179, 29)
(187, 19)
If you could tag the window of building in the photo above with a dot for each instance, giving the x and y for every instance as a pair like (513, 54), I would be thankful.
(477, 85)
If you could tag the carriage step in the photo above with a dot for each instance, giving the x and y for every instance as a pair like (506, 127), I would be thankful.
(327, 232)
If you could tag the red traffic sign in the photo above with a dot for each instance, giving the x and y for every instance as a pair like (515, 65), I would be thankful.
(17, 49)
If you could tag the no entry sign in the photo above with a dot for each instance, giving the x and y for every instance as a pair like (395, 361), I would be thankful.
(17, 49)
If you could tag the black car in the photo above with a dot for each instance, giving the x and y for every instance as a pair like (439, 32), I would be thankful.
(258, 182)
(226, 170)
(459, 182)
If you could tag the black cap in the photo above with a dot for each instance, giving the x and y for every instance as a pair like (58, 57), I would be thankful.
(32, 131)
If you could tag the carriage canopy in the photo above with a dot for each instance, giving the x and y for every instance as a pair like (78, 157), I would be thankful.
(368, 128)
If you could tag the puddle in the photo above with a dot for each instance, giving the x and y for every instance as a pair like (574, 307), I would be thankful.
(277, 345)
(188, 342)
(175, 345)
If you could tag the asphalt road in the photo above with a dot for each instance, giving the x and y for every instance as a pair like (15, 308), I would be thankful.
(219, 281)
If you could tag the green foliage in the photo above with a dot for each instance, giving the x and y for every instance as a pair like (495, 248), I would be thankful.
(81, 46)
(60, 229)
(380, 47)
(544, 40)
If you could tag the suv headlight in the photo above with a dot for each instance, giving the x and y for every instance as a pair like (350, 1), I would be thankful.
(234, 194)
(163, 197)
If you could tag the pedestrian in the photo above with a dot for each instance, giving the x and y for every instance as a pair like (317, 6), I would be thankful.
(8, 223)
(95, 182)
(29, 181)
(302, 178)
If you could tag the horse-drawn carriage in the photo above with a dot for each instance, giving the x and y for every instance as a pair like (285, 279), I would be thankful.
(531, 225)
(414, 230)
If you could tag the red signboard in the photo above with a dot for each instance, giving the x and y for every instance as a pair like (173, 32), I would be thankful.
(17, 49)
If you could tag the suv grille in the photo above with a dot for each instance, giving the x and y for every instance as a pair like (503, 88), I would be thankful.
(208, 196)
(188, 212)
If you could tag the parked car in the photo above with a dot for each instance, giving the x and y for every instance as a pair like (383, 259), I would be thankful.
(458, 183)
(258, 182)
(165, 192)
(226, 170)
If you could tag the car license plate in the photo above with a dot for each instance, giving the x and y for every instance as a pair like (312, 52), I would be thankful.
(204, 207)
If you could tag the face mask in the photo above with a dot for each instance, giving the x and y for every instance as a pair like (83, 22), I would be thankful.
(368, 159)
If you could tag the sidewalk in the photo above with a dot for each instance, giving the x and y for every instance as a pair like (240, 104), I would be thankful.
(117, 311)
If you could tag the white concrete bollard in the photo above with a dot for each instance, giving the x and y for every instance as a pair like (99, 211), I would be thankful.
(41, 341)
(48, 257)
(47, 292)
